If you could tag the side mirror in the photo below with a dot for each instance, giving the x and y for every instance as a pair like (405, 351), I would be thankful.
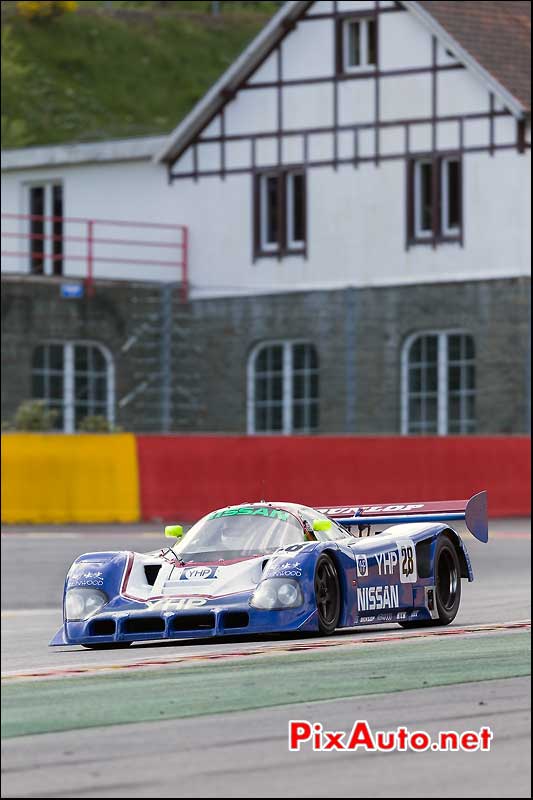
(321, 525)
(174, 531)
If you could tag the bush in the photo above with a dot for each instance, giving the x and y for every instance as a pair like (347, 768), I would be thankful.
(34, 415)
(97, 424)
(45, 9)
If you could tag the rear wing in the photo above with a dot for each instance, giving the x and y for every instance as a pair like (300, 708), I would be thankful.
(473, 512)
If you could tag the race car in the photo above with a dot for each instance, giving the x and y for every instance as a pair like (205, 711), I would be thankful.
(267, 567)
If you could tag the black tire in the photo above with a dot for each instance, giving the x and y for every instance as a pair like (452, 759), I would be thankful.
(447, 586)
(327, 594)
(108, 646)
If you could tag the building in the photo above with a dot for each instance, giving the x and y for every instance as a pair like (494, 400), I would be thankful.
(355, 196)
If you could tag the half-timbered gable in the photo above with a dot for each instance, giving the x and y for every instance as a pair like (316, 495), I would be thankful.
(349, 138)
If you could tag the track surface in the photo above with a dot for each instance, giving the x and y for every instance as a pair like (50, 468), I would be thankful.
(245, 753)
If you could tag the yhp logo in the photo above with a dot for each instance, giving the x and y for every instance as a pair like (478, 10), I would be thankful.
(199, 574)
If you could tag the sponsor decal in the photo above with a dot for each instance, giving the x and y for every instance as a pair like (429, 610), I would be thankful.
(273, 513)
(386, 617)
(390, 509)
(355, 511)
(401, 616)
(289, 569)
(366, 619)
(362, 566)
(387, 562)
(199, 574)
(178, 603)
(347, 511)
(81, 578)
(376, 598)
(404, 557)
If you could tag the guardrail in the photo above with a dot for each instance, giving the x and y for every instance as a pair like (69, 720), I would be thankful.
(77, 247)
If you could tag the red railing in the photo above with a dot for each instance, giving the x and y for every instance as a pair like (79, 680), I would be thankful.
(55, 245)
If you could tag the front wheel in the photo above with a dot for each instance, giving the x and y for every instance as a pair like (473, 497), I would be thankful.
(328, 595)
(447, 586)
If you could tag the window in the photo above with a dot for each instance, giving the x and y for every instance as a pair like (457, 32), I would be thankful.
(439, 384)
(451, 196)
(45, 209)
(435, 200)
(357, 44)
(283, 388)
(47, 378)
(281, 214)
(76, 379)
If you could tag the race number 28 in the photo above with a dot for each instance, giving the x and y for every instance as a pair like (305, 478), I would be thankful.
(408, 563)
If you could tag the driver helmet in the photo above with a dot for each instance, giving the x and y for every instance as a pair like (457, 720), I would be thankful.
(230, 533)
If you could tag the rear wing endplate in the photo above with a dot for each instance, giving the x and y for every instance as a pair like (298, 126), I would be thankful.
(473, 512)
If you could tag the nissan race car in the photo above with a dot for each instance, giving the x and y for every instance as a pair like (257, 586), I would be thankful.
(264, 568)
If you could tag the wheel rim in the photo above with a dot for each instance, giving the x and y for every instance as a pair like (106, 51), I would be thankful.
(327, 593)
(447, 580)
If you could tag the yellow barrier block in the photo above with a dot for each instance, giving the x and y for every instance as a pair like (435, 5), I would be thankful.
(53, 478)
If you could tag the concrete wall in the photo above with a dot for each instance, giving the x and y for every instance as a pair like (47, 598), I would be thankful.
(359, 336)
(59, 479)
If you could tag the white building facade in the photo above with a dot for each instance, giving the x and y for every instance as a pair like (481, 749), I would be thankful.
(348, 213)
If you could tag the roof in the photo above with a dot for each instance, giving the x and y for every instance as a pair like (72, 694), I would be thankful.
(496, 33)
(139, 149)
(500, 56)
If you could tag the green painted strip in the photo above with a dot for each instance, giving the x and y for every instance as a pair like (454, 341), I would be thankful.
(41, 707)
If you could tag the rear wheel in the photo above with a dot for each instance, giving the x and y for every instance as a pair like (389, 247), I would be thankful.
(447, 586)
(328, 595)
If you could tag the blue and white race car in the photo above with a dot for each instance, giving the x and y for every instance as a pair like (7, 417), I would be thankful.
(264, 568)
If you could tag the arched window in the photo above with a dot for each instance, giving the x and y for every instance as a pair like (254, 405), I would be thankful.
(283, 388)
(439, 384)
(76, 379)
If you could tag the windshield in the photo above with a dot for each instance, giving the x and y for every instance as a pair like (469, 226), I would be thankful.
(239, 533)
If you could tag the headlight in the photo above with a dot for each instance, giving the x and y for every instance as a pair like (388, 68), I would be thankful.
(80, 604)
(277, 593)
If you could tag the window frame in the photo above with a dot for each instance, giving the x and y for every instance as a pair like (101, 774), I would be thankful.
(50, 228)
(440, 232)
(288, 400)
(285, 245)
(69, 376)
(343, 23)
(443, 391)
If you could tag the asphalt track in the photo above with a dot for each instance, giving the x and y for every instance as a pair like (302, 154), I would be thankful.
(244, 753)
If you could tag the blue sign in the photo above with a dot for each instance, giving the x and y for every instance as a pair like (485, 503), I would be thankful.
(72, 291)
